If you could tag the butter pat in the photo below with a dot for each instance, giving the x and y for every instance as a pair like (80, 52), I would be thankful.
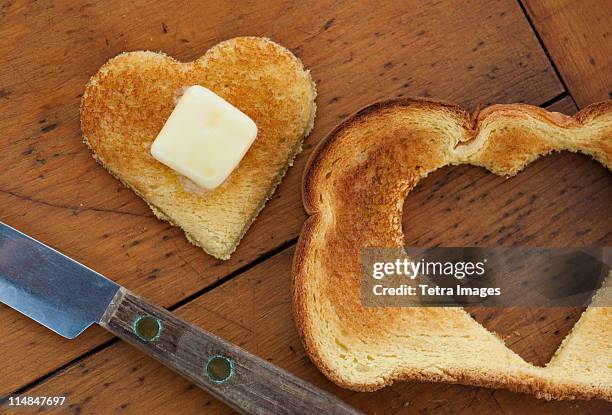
(204, 138)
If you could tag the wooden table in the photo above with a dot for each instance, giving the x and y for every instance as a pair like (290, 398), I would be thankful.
(556, 54)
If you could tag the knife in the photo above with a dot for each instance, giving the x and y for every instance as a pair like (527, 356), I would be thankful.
(68, 297)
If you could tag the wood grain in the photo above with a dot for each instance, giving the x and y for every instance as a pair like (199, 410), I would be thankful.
(578, 37)
(465, 51)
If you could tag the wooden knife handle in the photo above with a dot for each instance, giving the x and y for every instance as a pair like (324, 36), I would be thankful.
(243, 381)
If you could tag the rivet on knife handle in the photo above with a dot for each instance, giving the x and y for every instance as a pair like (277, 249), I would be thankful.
(247, 383)
(147, 328)
(219, 369)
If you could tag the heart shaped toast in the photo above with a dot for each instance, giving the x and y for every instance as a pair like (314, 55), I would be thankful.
(354, 188)
(128, 100)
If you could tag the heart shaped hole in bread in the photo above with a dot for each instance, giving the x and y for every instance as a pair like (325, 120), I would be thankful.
(354, 190)
(528, 210)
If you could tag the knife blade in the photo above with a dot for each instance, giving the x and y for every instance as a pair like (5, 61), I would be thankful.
(49, 287)
(68, 297)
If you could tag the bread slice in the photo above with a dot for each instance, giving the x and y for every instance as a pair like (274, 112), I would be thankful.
(128, 100)
(354, 188)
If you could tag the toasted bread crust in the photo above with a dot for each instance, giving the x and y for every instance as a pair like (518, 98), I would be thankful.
(353, 189)
(128, 100)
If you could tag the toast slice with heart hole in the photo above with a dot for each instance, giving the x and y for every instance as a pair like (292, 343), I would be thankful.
(353, 189)
(129, 99)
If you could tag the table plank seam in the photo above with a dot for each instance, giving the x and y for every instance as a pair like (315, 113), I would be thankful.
(61, 369)
(262, 258)
(544, 48)
(556, 99)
